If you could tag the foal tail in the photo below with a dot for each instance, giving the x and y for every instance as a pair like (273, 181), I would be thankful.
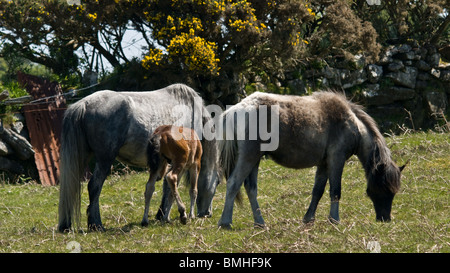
(74, 155)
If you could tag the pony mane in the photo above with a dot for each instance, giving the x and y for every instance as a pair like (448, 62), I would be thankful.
(383, 153)
(378, 163)
(182, 92)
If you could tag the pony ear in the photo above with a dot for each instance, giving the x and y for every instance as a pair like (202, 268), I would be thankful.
(402, 167)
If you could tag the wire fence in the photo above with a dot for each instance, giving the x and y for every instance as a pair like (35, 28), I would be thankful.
(70, 95)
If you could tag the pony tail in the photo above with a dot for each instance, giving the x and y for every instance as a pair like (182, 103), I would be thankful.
(153, 150)
(229, 150)
(74, 154)
(227, 147)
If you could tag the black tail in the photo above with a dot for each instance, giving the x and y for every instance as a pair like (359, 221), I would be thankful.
(153, 150)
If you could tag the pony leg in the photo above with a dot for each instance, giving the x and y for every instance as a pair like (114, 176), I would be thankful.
(251, 188)
(193, 191)
(149, 189)
(335, 176)
(95, 187)
(244, 166)
(166, 202)
(317, 192)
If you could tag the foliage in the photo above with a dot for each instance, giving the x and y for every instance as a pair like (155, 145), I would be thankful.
(200, 42)
(423, 20)
(346, 33)
(6, 111)
(219, 41)
(50, 31)
(213, 45)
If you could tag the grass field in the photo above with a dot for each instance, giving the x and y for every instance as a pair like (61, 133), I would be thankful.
(28, 212)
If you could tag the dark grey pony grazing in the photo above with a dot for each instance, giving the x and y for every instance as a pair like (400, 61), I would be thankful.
(109, 125)
(321, 130)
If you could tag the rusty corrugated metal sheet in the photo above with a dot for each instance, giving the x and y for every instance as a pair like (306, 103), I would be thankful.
(44, 122)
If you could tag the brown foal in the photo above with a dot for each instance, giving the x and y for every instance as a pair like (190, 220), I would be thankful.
(181, 148)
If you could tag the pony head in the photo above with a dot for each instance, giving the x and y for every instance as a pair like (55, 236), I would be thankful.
(210, 176)
(383, 184)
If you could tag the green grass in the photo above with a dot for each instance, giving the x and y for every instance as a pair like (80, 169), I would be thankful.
(28, 212)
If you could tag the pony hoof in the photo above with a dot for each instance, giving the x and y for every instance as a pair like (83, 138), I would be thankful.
(64, 229)
(204, 215)
(334, 221)
(95, 227)
(183, 220)
(144, 223)
(260, 226)
(309, 220)
(159, 216)
(225, 226)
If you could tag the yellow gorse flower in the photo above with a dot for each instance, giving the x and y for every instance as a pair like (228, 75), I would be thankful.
(92, 16)
(154, 58)
(195, 52)
(249, 21)
(183, 34)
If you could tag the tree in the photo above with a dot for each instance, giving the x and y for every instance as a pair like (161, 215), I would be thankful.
(49, 32)
(423, 20)
(215, 46)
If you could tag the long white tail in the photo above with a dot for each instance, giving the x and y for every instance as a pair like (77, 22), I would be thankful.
(74, 156)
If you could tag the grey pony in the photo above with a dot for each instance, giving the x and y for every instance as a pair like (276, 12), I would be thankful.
(108, 125)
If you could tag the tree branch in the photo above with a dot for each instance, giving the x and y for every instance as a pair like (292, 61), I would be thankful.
(435, 39)
(105, 53)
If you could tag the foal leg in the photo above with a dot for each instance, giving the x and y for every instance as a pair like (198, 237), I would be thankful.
(172, 179)
(150, 188)
(317, 192)
(251, 188)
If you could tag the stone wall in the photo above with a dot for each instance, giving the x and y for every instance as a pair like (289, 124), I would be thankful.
(16, 152)
(407, 87)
